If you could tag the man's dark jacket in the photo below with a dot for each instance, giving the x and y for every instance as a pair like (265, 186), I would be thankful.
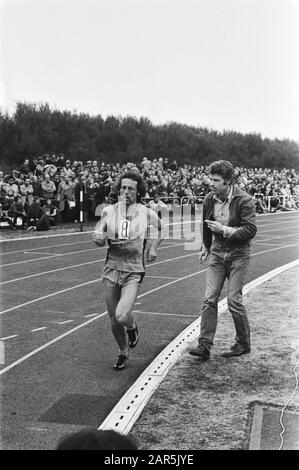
(241, 216)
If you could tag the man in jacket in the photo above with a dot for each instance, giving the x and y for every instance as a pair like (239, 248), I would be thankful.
(228, 227)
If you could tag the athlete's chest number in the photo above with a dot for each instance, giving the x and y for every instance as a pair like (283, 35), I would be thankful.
(124, 229)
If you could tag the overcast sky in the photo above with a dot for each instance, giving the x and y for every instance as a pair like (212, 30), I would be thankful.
(222, 64)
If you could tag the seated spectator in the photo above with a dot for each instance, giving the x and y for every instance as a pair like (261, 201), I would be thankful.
(260, 206)
(11, 188)
(16, 210)
(4, 217)
(36, 220)
(50, 210)
(94, 439)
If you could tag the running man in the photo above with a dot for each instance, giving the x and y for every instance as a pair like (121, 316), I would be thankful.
(125, 226)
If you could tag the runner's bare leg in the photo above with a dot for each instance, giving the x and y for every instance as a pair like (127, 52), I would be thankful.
(118, 330)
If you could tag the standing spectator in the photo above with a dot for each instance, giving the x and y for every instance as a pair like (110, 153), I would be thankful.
(2, 180)
(25, 167)
(92, 188)
(48, 188)
(66, 196)
(37, 185)
(67, 170)
(26, 190)
(157, 205)
(228, 227)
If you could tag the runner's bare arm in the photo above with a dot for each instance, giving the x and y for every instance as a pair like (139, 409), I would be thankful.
(157, 232)
(99, 236)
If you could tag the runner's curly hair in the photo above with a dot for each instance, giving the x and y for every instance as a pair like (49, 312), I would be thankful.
(135, 176)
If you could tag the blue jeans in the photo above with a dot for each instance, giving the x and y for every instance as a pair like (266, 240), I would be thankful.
(233, 265)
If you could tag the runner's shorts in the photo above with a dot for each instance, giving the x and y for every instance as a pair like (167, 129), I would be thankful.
(115, 278)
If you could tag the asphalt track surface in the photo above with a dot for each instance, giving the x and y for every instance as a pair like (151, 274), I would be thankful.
(57, 373)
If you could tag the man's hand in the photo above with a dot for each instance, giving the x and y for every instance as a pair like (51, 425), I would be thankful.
(203, 254)
(151, 254)
(99, 238)
(216, 227)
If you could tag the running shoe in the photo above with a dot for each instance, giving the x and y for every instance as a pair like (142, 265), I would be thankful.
(133, 336)
(121, 362)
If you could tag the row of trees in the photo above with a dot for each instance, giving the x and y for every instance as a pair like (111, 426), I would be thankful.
(36, 129)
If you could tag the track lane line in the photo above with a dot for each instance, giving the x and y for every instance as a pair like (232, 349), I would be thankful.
(72, 266)
(84, 284)
(54, 340)
(97, 280)
(128, 409)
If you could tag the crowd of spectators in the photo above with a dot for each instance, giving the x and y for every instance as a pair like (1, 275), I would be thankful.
(46, 190)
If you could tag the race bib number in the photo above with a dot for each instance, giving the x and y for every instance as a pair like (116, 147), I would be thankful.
(124, 230)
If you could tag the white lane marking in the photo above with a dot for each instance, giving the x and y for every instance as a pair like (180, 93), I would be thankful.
(90, 315)
(41, 348)
(80, 285)
(32, 353)
(46, 345)
(166, 314)
(273, 244)
(274, 230)
(47, 296)
(8, 337)
(171, 282)
(72, 253)
(44, 247)
(96, 280)
(37, 253)
(64, 322)
(40, 237)
(271, 224)
(87, 232)
(162, 277)
(128, 409)
(51, 271)
(2, 352)
(268, 224)
(276, 237)
(294, 211)
(39, 329)
(72, 266)
(48, 257)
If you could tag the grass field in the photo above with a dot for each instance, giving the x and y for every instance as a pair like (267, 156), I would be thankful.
(209, 406)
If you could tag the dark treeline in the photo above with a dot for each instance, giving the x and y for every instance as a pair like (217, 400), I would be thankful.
(37, 129)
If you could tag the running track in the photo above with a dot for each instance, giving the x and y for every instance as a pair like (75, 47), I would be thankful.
(57, 374)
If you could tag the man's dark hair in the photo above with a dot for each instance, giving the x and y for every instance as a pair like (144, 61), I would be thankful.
(135, 176)
(223, 168)
(94, 439)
